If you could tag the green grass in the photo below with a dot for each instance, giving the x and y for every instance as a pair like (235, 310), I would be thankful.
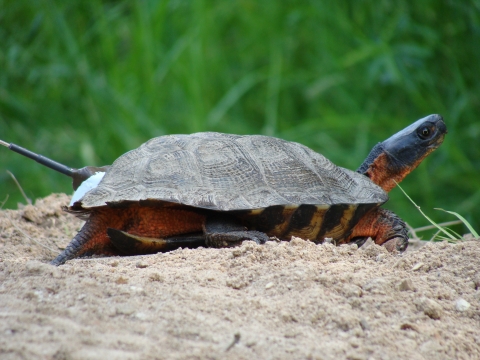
(85, 81)
(443, 233)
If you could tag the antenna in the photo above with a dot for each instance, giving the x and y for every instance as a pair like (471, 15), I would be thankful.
(40, 159)
(78, 175)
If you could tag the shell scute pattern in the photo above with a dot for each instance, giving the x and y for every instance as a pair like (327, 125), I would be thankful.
(225, 166)
(230, 172)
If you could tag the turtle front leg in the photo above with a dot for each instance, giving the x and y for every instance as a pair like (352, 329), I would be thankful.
(384, 227)
(225, 231)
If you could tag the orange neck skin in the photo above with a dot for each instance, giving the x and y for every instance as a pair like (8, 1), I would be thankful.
(382, 173)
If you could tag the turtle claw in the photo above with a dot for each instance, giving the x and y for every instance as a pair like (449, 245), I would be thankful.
(225, 231)
(397, 244)
(259, 237)
(233, 238)
(360, 241)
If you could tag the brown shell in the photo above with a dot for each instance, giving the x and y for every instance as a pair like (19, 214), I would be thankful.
(230, 172)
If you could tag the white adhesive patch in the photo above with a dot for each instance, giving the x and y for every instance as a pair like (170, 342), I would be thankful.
(87, 185)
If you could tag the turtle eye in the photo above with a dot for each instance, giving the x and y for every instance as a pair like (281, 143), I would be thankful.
(424, 132)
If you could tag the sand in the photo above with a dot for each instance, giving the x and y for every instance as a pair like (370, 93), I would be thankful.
(282, 300)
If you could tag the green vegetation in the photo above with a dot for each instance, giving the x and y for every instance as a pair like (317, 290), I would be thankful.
(443, 232)
(84, 81)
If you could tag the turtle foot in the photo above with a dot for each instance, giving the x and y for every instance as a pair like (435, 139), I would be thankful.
(396, 245)
(224, 231)
(87, 242)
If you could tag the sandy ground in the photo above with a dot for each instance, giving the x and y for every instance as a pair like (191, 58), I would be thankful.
(282, 300)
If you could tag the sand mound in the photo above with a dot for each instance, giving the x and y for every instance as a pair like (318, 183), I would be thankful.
(285, 300)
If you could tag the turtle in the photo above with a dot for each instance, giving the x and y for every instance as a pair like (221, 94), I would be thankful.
(216, 190)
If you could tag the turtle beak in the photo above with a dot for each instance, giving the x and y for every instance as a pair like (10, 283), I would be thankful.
(441, 129)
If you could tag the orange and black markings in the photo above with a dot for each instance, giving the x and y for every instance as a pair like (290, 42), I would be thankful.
(141, 222)
(313, 222)
(382, 173)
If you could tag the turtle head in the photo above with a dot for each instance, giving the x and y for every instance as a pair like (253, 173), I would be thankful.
(393, 159)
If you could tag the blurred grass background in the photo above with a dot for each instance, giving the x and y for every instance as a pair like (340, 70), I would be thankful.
(84, 81)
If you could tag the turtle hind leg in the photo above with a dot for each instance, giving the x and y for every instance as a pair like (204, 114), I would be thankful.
(225, 231)
(130, 244)
(384, 227)
(90, 240)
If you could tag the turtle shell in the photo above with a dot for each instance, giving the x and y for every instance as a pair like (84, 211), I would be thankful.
(281, 188)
